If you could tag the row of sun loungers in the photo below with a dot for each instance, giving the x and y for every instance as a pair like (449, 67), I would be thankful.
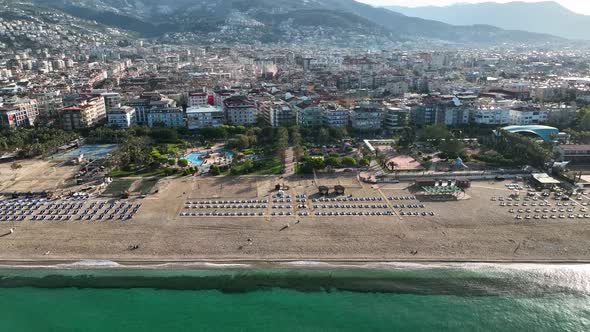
(347, 199)
(220, 214)
(243, 201)
(349, 206)
(553, 216)
(228, 206)
(353, 213)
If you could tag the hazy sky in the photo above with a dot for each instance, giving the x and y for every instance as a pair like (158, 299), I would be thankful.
(580, 6)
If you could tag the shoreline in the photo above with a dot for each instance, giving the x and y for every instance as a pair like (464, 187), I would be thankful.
(295, 263)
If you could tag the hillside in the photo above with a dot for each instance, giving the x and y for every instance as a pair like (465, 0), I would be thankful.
(339, 21)
(24, 25)
(541, 17)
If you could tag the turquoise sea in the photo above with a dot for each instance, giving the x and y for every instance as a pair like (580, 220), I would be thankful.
(296, 297)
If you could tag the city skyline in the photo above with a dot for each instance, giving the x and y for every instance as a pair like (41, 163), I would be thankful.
(577, 6)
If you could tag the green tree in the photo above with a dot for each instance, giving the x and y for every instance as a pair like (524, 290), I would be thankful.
(214, 170)
(452, 148)
(323, 136)
(349, 161)
(333, 161)
(309, 164)
(182, 163)
(365, 162)
(435, 132)
(242, 141)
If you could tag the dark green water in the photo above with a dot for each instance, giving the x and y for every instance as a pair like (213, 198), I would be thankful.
(488, 298)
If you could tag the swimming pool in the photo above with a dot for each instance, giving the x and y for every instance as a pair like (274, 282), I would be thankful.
(195, 157)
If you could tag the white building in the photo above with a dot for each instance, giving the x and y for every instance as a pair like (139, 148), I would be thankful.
(240, 110)
(527, 116)
(122, 117)
(170, 117)
(220, 96)
(204, 116)
(197, 99)
(491, 116)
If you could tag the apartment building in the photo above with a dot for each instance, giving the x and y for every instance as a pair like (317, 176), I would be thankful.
(197, 99)
(122, 117)
(204, 116)
(85, 114)
(169, 117)
(490, 116)
(240, 110)
(396, 118)
(366, 117)
(527, 116)
(278, 113)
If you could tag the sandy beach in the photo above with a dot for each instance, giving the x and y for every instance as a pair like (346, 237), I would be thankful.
(473, 229)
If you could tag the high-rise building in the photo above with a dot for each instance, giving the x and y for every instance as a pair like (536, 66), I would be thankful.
(86, 114)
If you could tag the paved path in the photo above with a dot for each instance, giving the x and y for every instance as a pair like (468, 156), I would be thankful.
(289, 163)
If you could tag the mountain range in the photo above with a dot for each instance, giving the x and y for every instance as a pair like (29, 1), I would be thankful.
(280, 20)
(546, 17)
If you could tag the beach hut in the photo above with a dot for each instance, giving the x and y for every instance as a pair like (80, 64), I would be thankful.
(339, 189)
(324, 190)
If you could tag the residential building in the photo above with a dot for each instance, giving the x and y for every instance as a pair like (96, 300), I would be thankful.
(490, 116)
(575, 153)
(335, 116)
(396, 118)
(454, 116)
(527, 116)
(221, 95)
(111, 100)
(197, 99)
(19, 112)
(310, 116)
(13, 118)
(204, 116)
(49, 105)
(86, 114)
(147, 101)
(169, 117)
(425, 114)
(121, 117)
(240, 110)
(366, 117)
(278, 113)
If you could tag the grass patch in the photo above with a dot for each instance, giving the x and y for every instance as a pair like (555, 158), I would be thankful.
(145, 172)
(118, 186)
(142, 172)
(272, 166)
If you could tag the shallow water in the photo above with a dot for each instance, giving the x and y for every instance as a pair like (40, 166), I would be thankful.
(300, 297)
